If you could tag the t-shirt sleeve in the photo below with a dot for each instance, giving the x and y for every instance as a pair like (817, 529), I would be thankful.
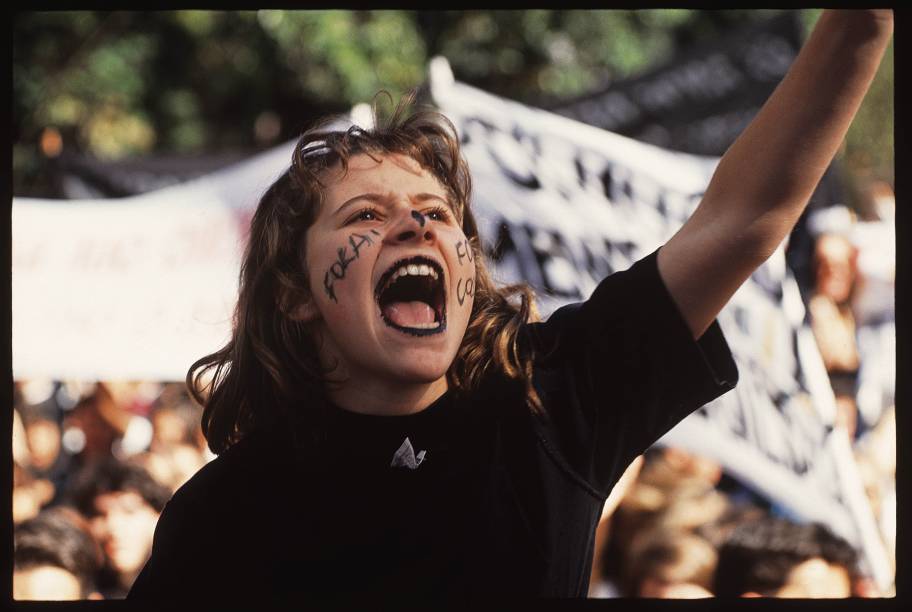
(617, 371)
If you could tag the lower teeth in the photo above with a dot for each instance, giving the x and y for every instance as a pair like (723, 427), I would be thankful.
(425, 325)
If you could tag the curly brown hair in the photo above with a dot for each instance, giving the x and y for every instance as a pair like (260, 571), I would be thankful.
(269, 372)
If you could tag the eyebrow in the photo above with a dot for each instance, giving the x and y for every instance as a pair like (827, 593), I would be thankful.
(377, 198)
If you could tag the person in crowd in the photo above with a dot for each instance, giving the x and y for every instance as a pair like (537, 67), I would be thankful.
(874, 237)
(830, 306)
(30, 494)
(174, 454)
(676, 490)
(599, 585)
(47, 458)
(873, 302)
(175, 419)
(171, 466)
(669, 564)
(671, 467)
(122, 503)
(875, 455)
(832, 319)
(775, 557)
(374, 361)
(92, 426)
(43, 436)
(55, 557)
(740, 510)
(673, 493)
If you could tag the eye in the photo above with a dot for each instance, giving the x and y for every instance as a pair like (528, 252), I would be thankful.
(365, 214)
(440, 213)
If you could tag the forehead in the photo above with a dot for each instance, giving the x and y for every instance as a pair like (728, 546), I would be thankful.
(816, 572)
(46, 582)
(381, 174)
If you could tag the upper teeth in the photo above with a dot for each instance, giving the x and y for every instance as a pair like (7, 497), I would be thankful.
(414, 270)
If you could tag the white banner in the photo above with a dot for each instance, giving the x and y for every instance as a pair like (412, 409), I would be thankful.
(132, 288)
(562, 204)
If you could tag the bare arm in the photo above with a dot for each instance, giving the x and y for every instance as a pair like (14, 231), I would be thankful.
(765, 179)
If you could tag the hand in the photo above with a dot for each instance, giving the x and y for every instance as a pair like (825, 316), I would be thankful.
(880, 19)
(885, 15)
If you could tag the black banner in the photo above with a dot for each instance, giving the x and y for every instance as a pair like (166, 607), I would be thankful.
(700, 102)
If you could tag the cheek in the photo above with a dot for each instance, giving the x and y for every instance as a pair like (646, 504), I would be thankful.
(337, 260)
(465, 289)
(465, 273)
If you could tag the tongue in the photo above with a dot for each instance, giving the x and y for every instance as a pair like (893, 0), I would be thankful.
(409, 314)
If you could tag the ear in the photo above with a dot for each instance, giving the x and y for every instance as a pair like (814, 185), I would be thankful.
(305, 311)
(300, 307)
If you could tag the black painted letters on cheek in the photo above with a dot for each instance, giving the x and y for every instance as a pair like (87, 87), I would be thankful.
(467, 290)
(338, 268)
(464, 251)
(465, 286)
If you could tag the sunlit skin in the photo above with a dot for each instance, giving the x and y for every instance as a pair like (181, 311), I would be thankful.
(382, 370)
(815, 578)
(835, 273)
(169, 428)
(658, 589)
(45, 583)
(44, 443)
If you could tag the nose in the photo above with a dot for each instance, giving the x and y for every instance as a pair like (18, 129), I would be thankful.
(411, 226)
(118, 524)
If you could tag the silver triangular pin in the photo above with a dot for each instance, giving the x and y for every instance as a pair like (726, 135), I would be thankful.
(405, 456)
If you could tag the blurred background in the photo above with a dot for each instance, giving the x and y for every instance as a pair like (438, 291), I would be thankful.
(189, 91)
(114, 104)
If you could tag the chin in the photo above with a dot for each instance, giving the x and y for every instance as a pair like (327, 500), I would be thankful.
(421, 369)
(421, 374)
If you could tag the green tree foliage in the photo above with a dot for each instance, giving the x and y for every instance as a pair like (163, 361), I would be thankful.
(119, 84)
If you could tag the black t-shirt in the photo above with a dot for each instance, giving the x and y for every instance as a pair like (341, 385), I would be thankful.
(484, 497)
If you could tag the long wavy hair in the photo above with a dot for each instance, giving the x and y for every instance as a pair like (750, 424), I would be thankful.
(268, 373)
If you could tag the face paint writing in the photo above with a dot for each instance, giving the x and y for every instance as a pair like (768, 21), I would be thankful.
(337, 270)
(464, 251)
(464, 290)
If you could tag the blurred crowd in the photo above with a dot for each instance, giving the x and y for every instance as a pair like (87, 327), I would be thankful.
(95, 463)
(677, 526)
(681, 528)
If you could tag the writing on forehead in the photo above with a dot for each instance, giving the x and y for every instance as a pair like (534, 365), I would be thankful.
(344, 259)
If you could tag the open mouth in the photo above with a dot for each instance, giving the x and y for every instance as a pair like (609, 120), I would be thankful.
(412, 296)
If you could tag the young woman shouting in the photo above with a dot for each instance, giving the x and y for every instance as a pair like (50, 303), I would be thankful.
(389, 422)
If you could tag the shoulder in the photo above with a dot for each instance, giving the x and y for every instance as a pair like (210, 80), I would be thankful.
(244, 464)
(632, 296)
(233, 489)
(210, 530)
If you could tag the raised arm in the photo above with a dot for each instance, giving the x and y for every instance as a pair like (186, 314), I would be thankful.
(765, 179)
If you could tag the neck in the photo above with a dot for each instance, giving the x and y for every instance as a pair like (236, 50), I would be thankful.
(383, 398)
